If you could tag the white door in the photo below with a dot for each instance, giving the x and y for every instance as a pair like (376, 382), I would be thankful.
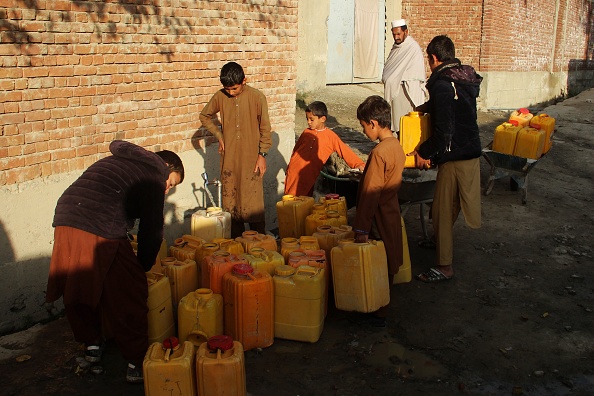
(355, 41)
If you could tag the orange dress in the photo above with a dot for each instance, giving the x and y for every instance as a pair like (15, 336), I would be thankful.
(312, 150)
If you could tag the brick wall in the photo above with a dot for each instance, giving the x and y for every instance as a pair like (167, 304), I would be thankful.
(509, 36)
(76, 75)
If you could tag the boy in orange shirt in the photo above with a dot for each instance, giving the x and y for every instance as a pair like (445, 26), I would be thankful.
(313, 148)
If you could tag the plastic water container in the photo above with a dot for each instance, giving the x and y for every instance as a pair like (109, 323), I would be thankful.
(315, 259)
(183, 277)
(211, 223)
(334, 202)
(331, 218)
(547, 124)
(218, 264)
(299, 303)
(288, 245)
(220, 367)
(264, 260)
(160, 308)
(229, 245)
(360, 276)
(250, 239)
(308, 243)
(205, 250)
(522, 116)
(200, 316)
(318, 208)
(530, 143)
(415, 128)
(185, 247)
(291, 212)
(248, 298)
(328, 237)
(169, 371)
(504, 139)
(404, 274)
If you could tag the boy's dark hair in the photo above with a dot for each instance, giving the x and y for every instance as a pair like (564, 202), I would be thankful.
(232, 74)
(174, 163)
(443, 48)
(317, 108)
(375, 108)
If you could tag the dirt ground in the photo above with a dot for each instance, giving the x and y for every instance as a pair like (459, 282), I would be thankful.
(517, 318)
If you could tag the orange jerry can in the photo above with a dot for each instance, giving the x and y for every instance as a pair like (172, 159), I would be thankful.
(218, 264)
(334, 202)
(220, 367)
(522, 116)
(504, 139)
(547, 124)
(530, 143)
(288, 245)
(248, 299)
(360, 275)
(264, 260)
(183, 277)
(160, 308)
(415, 128)
(200, 316)
(169, 368)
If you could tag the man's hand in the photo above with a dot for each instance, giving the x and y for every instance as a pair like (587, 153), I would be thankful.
(420, 162)
(221, 146)
(260, 165)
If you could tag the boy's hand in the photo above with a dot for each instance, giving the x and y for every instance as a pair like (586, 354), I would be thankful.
(361, 238)
(221, 146)
(420, 162)
(260, 165)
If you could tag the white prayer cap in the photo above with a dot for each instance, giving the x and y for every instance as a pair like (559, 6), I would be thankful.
(398, 23)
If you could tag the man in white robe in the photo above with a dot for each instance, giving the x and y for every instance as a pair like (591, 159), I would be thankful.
(404, 74)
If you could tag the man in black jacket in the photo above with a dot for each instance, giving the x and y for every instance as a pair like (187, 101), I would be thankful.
(93, 266)
(454, 147)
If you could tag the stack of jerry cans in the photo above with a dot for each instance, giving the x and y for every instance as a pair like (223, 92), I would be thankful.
(360, 275)
(169, 371)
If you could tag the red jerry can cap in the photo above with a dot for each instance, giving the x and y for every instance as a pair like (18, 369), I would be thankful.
(523, 110)
(170, 343)
(514, 122)
(332, 196)
(242, 269)
(222, 342)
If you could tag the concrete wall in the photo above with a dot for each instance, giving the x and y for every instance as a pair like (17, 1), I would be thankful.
(75, 76)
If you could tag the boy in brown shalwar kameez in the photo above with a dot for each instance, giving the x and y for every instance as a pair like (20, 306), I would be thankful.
(377, 198)
(244, 141)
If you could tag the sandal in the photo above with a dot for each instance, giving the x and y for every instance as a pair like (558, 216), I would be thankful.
(432, 275)
(93, 353)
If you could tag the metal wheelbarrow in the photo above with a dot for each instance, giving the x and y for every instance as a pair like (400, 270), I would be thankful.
(417, 188)
(502, 165)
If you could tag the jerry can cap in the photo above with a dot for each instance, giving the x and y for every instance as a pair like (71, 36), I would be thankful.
(514, 122)
(243, 269)
(170, 343)
(535, 126)
(221, 342)
(284, 270)
(523, 110)
(332, 196)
